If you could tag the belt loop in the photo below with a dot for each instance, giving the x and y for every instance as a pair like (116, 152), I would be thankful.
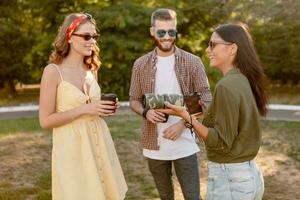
(223, 167)
(251, 163)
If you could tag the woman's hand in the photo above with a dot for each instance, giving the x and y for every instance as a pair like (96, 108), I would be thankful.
(117, 104)
(175, 110)
(101, 108)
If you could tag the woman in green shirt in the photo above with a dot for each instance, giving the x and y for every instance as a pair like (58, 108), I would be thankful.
(231, 127)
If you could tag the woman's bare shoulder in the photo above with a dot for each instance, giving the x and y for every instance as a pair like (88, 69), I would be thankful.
(51, 71)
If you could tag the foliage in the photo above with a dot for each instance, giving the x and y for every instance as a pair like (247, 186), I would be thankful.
(28, 28)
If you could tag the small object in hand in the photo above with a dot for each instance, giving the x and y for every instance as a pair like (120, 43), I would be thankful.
(166, 118)
(191, 102)
(109, 97)
(145, 112)
(157, 101)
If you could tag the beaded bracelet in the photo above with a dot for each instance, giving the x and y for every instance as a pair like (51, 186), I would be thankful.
(189, 125)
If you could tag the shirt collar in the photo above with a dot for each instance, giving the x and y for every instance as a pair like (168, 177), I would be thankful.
(154, 54)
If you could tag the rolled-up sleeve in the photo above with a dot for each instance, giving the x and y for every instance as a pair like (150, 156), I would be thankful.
(225, 108)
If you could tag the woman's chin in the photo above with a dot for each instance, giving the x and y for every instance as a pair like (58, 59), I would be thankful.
(212, 64)
(87, 53)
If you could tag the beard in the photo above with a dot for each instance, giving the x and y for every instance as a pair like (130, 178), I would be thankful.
(164, 48)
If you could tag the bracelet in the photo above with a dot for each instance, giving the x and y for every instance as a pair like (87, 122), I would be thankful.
(189, 125)
(145, 112)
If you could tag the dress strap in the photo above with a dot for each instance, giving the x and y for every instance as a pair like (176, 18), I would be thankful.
(57, 68)
(94, 72)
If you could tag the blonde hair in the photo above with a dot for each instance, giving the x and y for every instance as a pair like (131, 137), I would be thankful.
(61, 47)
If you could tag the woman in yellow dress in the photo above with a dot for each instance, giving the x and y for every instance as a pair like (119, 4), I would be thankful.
(85, 165)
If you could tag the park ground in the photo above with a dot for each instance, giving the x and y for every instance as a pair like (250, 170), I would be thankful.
(25, 154)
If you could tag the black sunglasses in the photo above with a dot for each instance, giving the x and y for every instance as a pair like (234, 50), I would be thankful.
(87, 37)
(212, 44)
(89, 16)
(162, 33)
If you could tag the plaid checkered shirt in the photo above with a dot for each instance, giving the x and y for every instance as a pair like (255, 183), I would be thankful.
(191, 77)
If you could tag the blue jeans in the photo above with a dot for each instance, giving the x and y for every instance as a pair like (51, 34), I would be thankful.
(187, 174)
(234, 181)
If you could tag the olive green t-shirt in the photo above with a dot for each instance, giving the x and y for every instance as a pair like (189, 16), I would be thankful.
(233, 121)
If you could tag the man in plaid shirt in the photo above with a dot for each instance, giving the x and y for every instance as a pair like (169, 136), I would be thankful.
(168, 70)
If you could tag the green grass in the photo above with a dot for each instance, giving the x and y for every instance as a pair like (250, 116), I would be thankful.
(44, 184)
(276, 135)
(125, 125)
(285, 94)
(125, 130)
(22, 97)
(279, 136)
(12, 126)
(42, 190)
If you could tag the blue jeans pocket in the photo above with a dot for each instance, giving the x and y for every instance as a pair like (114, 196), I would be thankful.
(210, 188)
(242, 188)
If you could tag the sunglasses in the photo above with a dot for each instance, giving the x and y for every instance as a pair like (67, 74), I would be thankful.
(162, 33)
(212, 44)
(87, 37)
(89, 16)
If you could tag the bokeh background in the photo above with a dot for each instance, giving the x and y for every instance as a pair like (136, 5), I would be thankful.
(28, 29)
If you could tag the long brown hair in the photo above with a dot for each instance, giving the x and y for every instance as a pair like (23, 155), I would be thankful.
(61, 47)
(247, 61)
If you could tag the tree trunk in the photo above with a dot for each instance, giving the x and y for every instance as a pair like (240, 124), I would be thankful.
(9, 90)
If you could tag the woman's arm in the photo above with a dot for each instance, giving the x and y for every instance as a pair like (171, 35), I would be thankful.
(200, 129)
(48, 116)
(225, 108)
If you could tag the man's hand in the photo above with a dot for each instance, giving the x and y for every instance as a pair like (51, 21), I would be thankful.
(155, 116)
(174, 131)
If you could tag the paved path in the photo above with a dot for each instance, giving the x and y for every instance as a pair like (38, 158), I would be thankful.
(276, 112)
(284, 112)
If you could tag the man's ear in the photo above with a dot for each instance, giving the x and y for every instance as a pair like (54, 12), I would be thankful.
(152, 31)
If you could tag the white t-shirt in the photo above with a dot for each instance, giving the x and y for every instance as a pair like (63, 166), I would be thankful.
(166, 83)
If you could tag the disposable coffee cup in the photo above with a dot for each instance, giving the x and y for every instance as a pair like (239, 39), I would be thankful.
(109, 97)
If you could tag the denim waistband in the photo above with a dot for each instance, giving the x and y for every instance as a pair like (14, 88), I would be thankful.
(225, 166)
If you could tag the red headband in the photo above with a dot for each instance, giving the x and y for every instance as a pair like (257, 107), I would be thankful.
(74, 26)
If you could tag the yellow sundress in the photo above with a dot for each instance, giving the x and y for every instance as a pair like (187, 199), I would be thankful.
(85, 165)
